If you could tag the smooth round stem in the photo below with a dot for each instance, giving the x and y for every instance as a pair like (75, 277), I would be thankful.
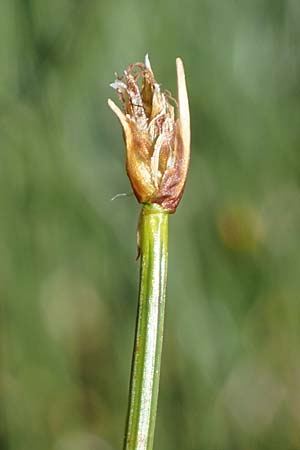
(145, 373)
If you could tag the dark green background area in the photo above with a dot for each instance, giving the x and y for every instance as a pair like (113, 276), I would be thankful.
(68, 275)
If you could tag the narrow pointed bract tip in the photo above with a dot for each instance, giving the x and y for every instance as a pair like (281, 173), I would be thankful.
(120, 115)
(114, 107)
(179, 60)
(147, 62)
(183, 104)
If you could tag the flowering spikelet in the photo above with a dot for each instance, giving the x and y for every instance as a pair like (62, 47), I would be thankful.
(157, 144)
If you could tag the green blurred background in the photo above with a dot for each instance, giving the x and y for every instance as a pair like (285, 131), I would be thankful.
(68, 278)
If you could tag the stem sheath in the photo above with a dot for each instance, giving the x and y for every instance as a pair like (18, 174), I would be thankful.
(145, 372)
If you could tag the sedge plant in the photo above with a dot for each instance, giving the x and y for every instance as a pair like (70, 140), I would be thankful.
(156, 130)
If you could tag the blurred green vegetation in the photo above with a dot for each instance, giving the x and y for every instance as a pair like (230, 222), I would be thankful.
(68, 278)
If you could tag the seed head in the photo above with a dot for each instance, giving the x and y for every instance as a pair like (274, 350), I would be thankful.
(157, 143)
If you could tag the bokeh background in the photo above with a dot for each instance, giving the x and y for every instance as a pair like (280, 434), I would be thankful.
(68, 278)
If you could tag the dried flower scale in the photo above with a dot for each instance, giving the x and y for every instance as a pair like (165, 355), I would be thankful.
(157, 144)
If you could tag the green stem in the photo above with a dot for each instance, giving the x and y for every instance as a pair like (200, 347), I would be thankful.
(145, 371)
